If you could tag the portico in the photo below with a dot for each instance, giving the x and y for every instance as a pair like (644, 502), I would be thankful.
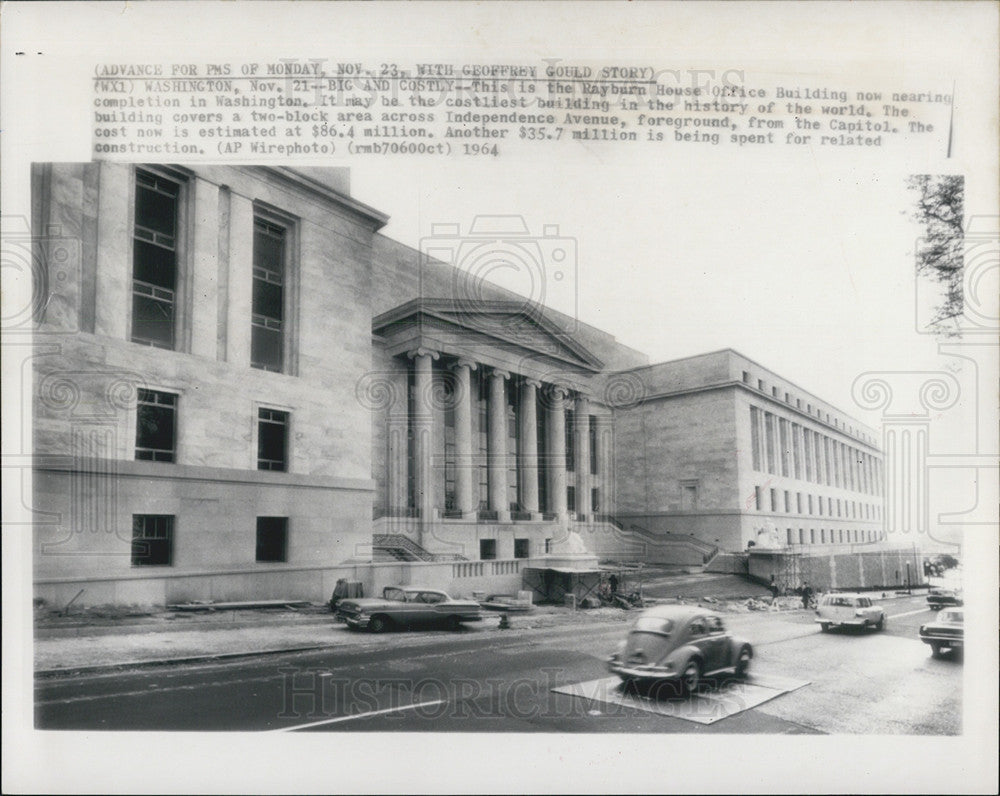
(500, 416)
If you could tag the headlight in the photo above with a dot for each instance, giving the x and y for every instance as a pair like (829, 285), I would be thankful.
(923, 628)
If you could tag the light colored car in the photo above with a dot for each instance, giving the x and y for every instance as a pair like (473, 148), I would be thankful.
(846, 609)
(679, 644)
(407, 606)
(947, 631)
(939, 598)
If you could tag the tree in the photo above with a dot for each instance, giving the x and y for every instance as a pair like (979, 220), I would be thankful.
(940, 256)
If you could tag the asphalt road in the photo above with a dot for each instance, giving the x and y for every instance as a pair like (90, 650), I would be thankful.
(477, 681)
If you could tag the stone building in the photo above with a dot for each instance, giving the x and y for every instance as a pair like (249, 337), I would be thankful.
(241, 389)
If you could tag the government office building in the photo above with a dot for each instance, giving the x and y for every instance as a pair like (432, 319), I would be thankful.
(242, 390)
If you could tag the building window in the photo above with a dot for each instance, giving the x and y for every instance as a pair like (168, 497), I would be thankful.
(267, 347)
(689, 497)
(595, 506)
(760, 385)
(812, 536)
(798, 502)
(746, 377)
(155, 426)
(822, 535)
(571, 498)
(755, 446)
(783, 434)
(757, 498)
(810, 499)
(774, 500)
(769, 441)
(548, 546)
(802, 536)
(487, 549)
(272, 440)
(774, 392)
(154, 260)
(152, 540)
(521, 548)
(788, 502)
(272, 538)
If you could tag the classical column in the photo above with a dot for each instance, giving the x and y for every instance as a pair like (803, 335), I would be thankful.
(463, 437)
(581, 421)
(423, 424)
(528, 447)
(497, 455)
(557, 452)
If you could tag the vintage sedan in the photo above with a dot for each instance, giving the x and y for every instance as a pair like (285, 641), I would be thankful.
(849, 610)
(939, 598)
(680, 645)
(407, 606)
(947, 631)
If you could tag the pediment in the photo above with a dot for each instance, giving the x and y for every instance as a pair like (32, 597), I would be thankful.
(507, 323)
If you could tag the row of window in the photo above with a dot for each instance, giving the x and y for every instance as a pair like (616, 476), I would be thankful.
(156, 264)
(831, 536)
(153, 540)
(820, 414)
(781, 447)
(783, 500)
(156, 431)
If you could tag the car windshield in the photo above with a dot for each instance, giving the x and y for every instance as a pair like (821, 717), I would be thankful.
(396, 595)
(950, 616)
(654, 624)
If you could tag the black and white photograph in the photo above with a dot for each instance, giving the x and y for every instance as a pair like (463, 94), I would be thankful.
(484, 397)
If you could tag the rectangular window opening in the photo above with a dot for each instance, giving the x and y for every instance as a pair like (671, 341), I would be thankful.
(152, 540)
(272, 440)
(272, 539)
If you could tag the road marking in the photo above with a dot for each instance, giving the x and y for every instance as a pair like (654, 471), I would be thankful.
(354, 716)
(909, 613)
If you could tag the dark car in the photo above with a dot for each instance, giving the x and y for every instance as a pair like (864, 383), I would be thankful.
(680, 645)
(939, 598)
(947, 631)
(407, 606)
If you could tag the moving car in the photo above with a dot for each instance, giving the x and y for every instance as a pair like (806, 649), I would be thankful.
(939, 598)
(407, 606)
(850, 610)
(947, 631)
(679, 644)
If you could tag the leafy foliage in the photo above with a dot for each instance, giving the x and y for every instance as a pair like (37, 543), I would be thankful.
(940, 257)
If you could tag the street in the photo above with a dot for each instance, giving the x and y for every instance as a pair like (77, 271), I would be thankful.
(484, 680)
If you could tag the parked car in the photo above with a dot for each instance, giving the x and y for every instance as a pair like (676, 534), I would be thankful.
(849, 610)
(407, 606)
(947, 631)
(939, 598)
(679, 644)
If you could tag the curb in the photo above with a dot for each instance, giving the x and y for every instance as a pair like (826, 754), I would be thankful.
(220, 656)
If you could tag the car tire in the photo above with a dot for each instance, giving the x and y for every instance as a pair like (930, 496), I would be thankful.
(379, 624)
(743, 663)
(824, 627)
(935, 650)
(880, 624)
(690, 677)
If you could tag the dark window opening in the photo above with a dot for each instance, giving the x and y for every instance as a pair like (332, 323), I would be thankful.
(267, 335)
(487, 549)
(592, 425)
(571, 498)
(152, 540)
(272, 538)
(521, 548)
(155, 426)
(272, 440)
(154, 260)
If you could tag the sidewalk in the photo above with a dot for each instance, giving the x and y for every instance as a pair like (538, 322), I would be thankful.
(79, 644)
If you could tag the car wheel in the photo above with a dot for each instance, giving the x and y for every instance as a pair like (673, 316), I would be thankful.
(454, 623)
(690, 677)
(378, 624)
(824, 627)
(743, 663)
(880, 624)
(935, 650)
